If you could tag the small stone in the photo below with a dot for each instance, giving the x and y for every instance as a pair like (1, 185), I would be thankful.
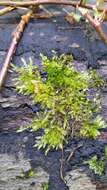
(78, 180)
(75, 45)
(25, 139)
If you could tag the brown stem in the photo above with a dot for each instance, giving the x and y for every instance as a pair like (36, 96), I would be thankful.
(41, 2)
(73, 152)
(42, 15)
(12, 49)
(62, 164)
(96, 24)
(6, 10)
(81, 2)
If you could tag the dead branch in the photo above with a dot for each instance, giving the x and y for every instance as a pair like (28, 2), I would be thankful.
(95, 23)
(42, 15)
(12, 49)
(43, 2)
(97, 26)
(6, 10)
(73, 152)
(62, 165)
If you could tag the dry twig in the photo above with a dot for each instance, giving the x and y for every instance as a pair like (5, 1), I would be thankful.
(95, 23)
(42, 15)
(6, 10)
(12, 49)
(62, 165)
(73, 152)
(43, 2)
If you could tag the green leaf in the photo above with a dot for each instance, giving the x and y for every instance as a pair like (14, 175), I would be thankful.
(96, 165)
(45, 186)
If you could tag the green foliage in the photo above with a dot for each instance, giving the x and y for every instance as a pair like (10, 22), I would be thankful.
(91, 129)
(66, 100)
(26, 174)
(45, 186)
(25, 81)
(98, 165)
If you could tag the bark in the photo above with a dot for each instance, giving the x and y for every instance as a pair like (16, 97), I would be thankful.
(12, 49)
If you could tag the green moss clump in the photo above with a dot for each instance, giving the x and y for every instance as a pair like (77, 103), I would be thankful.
(67, 107)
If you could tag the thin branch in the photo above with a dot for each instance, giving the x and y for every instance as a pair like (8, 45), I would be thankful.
(12, 49)
(42, 15)
(95, 23)
(62, 165)
(6, 10)
(73, 152)
(42, 2)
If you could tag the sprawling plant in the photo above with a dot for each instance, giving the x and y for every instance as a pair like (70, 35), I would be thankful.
(93, 12)
(69, 100)
(98, 165)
